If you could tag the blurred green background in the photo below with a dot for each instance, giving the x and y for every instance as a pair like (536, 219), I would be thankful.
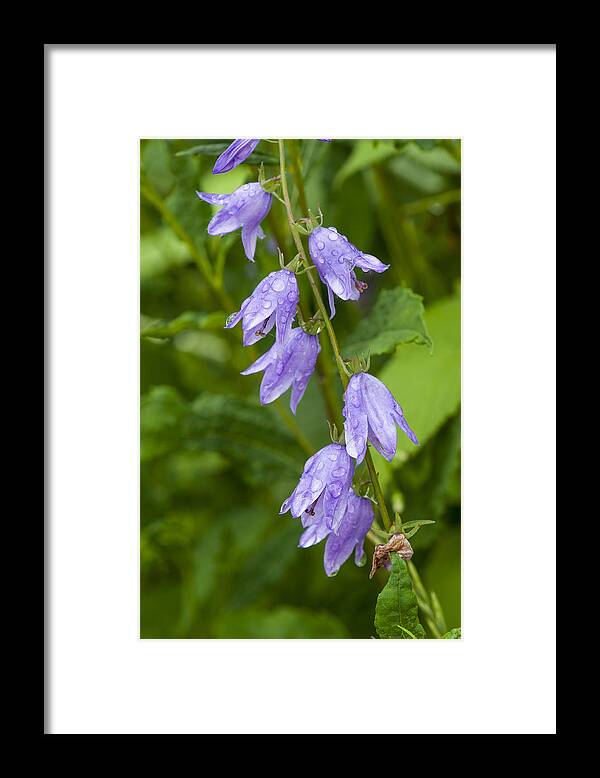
(216, 558)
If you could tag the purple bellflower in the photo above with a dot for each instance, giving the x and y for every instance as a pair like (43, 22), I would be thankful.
(356, 523)
(321, 497)
(290, 363)
(372, 413)
(335, 258)
(246, 207)
(235, 154)
(272, 303)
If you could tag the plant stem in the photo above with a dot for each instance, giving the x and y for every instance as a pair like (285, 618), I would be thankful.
(328, 325)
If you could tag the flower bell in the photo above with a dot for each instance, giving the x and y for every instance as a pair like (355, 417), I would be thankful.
(246, 207)
(335, 258)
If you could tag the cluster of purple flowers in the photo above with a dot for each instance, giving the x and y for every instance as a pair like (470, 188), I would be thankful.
(324, 499)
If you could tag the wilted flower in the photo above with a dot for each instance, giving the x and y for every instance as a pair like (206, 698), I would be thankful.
(273, 302)
(335, 259)
(351, 534)
(291, 362)
(235, 154)
(321, 497)
(371, 412)
(246, 207)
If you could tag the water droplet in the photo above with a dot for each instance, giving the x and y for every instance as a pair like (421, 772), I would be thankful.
(339, 472)
(320, 245)
(278, 284)
(335, 489)
(321, 260)
(265, 288)
(316, 485)
(355, 423)
(332, 235)
(319, 466)
(350, 507)
(291, 296)
(246, 187)
(252, 193)
(230, 318)
(334, 252)
(331, 456)
(267, 304)
(280, 300)
(355, 401)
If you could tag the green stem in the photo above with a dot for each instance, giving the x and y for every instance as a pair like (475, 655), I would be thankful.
(328, 325)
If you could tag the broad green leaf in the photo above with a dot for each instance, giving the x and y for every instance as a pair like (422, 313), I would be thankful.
(426, 145)
(161, 250)
(397, 611)
(364, 154)
(427, 385)
(281, 622)
(397, 317)
(250, 436)
(453, 634)
(186, 321)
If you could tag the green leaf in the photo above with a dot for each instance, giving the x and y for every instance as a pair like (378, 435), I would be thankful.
(426, 145)
(186, 321)
(453, 634)
(248, 435)
(397, 317)
(397, 611)
(364, 154)
(427, 385)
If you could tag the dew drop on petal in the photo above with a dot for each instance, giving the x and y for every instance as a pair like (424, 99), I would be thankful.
(230, 318)
(335, 489)
(280, 300)
(339, 472)
(355, 401)
(252, 193)
(316, 484)
(332, 235)
(264, 288)
(350, 508)
(355, 423)
(319, 466)
(291, 296)
(332, 456)
(267, 304)
(320, 245)
(278, 284)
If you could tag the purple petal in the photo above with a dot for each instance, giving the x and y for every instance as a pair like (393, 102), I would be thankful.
(380, 405)
(235, 154)
(262, 363)
(355, 413)
(249, 236)
(306, 365)
(356, 522)
(403, 424)
(214, 199)
(369, 262)
(223, 222)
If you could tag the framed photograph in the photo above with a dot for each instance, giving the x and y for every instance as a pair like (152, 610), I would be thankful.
(294, 418)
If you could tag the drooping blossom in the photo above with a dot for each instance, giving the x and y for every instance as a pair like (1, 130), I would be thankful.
(335, 259)
(286, 364)
(371, 412)
(235, 154)
(350, 537)
(246, 207)
(321, 497)
(272, 303)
